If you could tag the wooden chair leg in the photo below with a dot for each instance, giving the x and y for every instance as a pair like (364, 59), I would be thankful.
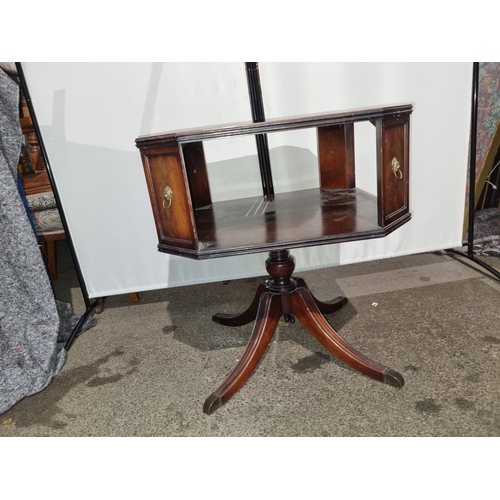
(133, 297)
(52, 259)
(43, 246)
(49, 252)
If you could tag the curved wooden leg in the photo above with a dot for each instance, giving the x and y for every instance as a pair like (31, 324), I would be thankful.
(246, 316)
(327, 307)
(268, 314)
(305, 309)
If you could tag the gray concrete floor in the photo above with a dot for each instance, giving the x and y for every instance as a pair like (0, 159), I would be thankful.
(147, 368)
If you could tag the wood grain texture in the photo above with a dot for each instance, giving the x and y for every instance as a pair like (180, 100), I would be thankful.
(175, 224)
(393, 141)
(336, 156)
(292, 220)
(333, 213)
(289, 123)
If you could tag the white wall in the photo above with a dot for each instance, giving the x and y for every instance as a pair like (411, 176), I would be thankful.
(91, 113)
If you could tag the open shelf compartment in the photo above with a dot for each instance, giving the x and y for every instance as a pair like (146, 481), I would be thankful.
(189, 224)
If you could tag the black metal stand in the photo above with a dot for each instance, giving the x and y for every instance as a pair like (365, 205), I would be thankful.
(258, 115)
(472, 178)
(89, 307)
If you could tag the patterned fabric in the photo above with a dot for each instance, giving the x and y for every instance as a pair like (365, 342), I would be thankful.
(41, 201)
(44, 213)
(487, 232)
(488, 116)
(47, 221)
(29, 322)
(488, 113)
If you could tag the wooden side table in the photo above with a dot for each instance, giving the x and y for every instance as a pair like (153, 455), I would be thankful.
(189, 224)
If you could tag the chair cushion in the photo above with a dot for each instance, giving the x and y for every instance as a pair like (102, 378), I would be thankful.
(47, 221)
(41, 201)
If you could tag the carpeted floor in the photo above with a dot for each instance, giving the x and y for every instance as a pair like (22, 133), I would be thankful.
(147, 368)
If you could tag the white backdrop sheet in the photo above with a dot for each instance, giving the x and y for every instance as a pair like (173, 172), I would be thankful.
(91, 113)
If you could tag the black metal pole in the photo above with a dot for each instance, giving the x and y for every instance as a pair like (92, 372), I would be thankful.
(258, 115)
(83, 287)
(472, 158)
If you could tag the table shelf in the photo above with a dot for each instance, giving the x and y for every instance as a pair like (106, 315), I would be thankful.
(301, 218)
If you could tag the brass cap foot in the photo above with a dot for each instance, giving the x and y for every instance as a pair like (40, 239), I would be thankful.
(393, 378)
(214, 402)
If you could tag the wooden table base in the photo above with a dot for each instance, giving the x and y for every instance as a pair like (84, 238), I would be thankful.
(282, 295)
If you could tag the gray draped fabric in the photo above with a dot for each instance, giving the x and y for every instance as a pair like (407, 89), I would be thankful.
(30, 356)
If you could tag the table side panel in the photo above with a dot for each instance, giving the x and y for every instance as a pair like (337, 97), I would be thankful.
(393, 139)
(169, 195)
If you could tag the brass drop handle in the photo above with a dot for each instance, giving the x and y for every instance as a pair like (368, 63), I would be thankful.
(168, 194)
(396, 168)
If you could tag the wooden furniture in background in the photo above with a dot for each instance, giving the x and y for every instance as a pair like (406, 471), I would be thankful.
(189, 224)
(36, 181)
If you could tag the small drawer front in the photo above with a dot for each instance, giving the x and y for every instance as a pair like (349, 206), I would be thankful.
(393, 169)
(170, 199)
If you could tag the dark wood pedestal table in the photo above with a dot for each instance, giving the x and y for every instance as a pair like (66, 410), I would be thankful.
(189, 224)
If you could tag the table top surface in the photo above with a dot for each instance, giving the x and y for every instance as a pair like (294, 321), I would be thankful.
(272, 125)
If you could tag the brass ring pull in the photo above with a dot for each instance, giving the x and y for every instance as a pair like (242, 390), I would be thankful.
(168, 194)
(396, 168)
